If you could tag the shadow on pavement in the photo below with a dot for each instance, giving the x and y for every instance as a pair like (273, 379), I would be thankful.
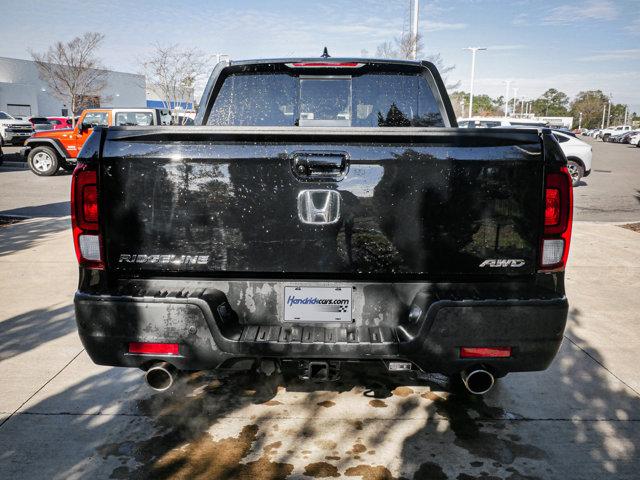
(573, 421)
(26, 234)
(10, 168)
(27, 331)
(52, 210)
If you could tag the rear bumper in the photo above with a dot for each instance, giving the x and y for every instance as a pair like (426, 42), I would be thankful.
(209, 334)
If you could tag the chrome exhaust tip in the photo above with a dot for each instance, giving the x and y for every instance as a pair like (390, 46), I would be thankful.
(478, 380)
(161, 376)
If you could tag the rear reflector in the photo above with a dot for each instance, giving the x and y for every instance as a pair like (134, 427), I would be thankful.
(154, 348)
(485, 352)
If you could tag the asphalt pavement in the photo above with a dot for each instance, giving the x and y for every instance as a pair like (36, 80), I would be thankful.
(61, 416)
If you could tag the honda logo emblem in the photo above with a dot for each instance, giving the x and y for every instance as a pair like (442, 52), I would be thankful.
(319, 207)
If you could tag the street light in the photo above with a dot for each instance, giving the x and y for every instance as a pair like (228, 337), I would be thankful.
(473, 72)
(515, 100)
(506, 98)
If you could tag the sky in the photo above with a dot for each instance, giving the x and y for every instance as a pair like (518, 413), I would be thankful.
(571, 45)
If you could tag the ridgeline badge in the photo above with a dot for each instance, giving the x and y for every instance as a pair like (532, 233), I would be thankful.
(165, 259)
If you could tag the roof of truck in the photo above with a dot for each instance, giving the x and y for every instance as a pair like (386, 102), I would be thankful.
(329, 60)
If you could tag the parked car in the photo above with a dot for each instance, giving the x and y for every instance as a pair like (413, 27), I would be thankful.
(285, 236)
(40, 123)
(594, 133)
(13, 131)
(607, 132)
(494, 122)
(578, 153)
(635, 139)
(48, 151)
(623, 137)
(60, 122)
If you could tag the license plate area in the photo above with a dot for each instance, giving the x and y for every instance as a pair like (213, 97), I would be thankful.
(318, 304)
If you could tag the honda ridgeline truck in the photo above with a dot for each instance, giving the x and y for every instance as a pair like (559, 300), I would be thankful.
(322, 211)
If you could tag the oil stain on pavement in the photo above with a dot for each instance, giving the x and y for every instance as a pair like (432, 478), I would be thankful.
(302, 434)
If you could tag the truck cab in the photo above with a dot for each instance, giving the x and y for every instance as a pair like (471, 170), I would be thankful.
(47, 151)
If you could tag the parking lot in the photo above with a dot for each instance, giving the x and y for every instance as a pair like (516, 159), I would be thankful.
(61, 416)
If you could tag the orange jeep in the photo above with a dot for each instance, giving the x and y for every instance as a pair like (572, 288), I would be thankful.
(48, 150)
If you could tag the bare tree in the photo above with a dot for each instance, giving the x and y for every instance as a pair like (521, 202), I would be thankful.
(444, 70)
(172, 72)
(386, 50)
(406, 44)
(72, 70)
(403, 47)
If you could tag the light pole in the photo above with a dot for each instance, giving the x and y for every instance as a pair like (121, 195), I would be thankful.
(473, 72)
(515, 100)
(414, 28)
(580, 121)
(506, 98)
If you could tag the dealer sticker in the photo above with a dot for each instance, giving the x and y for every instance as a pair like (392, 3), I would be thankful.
(317, 304)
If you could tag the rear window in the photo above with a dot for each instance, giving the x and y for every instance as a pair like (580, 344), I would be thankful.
(370, 100)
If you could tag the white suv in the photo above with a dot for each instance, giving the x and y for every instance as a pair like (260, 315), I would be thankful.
(578, 155)
(14, 131)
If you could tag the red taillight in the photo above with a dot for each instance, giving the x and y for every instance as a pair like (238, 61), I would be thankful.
(552, 207)
(154, 348)
(84, 217)
(558, 216)
(324, 65)
(90, 203)
(485, 352)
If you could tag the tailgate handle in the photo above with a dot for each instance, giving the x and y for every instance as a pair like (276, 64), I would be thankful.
(320, 165)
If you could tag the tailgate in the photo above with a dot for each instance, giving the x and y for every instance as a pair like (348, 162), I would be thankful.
(274, 203)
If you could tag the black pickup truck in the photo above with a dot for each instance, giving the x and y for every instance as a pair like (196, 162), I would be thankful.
(322, 211)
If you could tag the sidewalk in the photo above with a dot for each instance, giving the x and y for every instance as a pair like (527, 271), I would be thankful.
(67, 418)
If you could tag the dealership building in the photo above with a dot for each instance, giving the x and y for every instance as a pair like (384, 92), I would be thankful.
(23, 93)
